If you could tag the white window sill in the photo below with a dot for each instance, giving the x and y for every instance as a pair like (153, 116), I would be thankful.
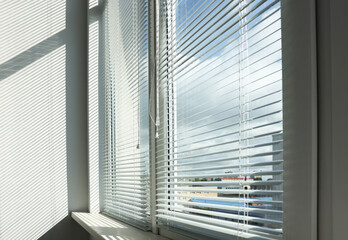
(102, 227)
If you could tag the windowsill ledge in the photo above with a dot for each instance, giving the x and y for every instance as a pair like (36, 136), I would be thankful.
(102, 227)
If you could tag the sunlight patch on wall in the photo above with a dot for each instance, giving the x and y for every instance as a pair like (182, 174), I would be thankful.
(33, 174)
(93, 3)
(33, 183)
(24, 24)
(93, 116)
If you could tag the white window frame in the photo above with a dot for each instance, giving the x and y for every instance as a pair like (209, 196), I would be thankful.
(300, 119)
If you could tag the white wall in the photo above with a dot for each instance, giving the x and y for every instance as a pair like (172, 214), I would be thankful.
(43, 118)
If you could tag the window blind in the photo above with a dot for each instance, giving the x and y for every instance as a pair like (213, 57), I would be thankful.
(126, 163)
(219, 148)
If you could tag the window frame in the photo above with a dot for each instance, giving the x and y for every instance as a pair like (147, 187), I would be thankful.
(300, 119)
(299, 111)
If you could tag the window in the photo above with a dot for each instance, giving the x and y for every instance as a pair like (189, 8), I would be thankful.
(219, 117)
(219, 152)
(125, 170)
